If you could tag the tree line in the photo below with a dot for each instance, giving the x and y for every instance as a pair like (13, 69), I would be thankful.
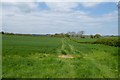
(79, 34)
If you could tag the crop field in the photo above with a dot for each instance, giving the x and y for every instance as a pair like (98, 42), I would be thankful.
(0, 55)
(55, 57)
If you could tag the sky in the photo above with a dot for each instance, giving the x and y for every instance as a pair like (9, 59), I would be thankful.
(59, 17)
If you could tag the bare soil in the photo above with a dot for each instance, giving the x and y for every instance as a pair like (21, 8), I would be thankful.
(65, 56)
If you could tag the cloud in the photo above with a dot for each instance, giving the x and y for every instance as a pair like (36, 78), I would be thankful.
(68, 6)
(62, 6)
(13, 7)
(60, 0)
(90, 4)
(60, 18)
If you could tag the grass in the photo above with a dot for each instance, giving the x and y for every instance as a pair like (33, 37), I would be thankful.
(29, 44)
(37, 57)
(0, 55)
(82, 40)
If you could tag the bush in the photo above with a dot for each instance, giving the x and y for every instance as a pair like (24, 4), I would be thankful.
(63, 52)
(97, 36)
(91, 36)
(108, 41)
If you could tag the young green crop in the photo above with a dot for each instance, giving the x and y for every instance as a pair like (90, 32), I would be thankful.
(38, 57)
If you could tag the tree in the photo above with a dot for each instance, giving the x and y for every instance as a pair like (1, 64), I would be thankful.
(71, 34)
(97, 36)
(2, 32)
(91, 36)
(67, 35)
(80, 33)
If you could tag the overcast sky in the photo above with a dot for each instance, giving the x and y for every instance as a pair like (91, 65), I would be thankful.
(57, 17)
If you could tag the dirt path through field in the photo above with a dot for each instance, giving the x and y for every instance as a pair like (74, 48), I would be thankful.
(65, 56)
(67, 49)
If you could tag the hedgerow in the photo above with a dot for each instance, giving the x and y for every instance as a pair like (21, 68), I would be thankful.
(108, 41)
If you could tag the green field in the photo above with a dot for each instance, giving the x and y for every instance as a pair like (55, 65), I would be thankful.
(0, 55)
(53, 57)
